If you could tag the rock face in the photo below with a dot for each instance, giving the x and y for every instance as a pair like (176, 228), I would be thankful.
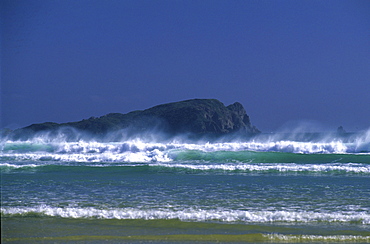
(196, 116)
(341, 130)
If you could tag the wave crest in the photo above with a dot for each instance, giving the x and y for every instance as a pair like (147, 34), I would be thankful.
(193, 214)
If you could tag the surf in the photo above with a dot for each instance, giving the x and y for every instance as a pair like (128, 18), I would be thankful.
(297, 143)
(197, 215)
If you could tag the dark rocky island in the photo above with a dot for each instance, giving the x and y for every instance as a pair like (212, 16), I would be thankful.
(198, 117)
(341, 130)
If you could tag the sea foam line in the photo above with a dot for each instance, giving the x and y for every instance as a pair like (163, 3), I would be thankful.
(316, 238)
(17, 166)
(141, 156)
(281, 167)
(194, 214)
(248, 167)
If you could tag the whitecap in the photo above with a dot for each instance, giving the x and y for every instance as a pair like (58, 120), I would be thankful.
(223, 215)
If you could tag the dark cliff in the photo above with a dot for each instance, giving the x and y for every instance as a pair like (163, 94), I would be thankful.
(196, 116)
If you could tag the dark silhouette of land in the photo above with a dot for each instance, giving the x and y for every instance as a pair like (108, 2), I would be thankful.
(199, 117)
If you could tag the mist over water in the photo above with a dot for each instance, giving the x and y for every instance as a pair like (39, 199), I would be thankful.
(70, 140)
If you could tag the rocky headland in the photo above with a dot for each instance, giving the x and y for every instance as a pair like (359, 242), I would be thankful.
(198, 117)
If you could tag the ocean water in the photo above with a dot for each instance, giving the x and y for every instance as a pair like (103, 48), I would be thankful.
(271, 188)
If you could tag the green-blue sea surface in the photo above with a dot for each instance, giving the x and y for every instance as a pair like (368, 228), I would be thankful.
(265, 191)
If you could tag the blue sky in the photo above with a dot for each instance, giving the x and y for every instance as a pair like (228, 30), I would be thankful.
(285, 61)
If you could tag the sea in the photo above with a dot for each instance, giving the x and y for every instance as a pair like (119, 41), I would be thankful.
(270, 188)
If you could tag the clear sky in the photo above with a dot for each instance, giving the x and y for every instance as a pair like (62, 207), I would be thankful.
(285, 61)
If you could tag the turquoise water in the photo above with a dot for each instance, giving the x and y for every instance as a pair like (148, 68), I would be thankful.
(262, 190)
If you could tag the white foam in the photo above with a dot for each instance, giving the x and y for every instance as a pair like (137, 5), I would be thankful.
(140, 156)
(18, 165)
(195, 214)
(83, 147)
(281, 167)
(139, 151)
(316, 238)
(329, 143)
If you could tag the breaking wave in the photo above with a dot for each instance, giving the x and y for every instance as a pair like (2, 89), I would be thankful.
(306, 143)
(260, 154)
(221, 215)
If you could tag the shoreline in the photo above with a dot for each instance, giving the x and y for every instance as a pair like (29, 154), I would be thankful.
(61, 230)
